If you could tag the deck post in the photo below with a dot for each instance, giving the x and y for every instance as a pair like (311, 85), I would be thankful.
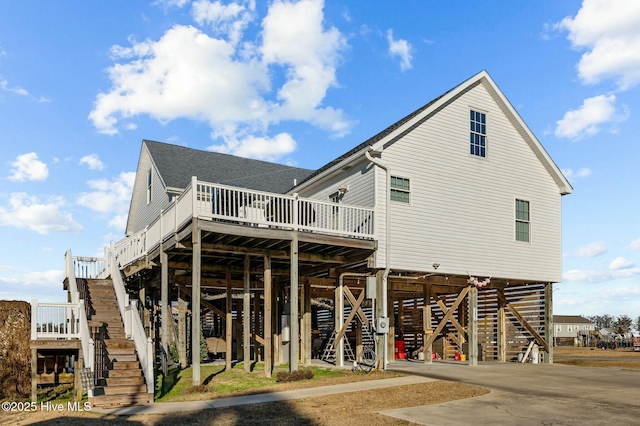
(256, 323)
(293, 302)
(268, 301)
(196, 325)
(164, 309)
(473, 326)
(229, 323)
(426, 324)
(548, 321)
(182, 329)
(393, 327)
(502, 339)
(246, 317)
(34, 375)
(339, 320)
(307, 332)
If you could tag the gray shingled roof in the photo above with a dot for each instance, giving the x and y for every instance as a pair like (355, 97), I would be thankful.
(177, 164)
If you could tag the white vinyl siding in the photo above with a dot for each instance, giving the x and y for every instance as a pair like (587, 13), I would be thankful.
(147, 212)
(462, 210)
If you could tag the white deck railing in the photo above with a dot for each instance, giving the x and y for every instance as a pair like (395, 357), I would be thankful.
(55, 320)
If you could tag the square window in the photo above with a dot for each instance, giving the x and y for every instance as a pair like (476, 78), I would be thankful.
(400, 189)
(478, 133)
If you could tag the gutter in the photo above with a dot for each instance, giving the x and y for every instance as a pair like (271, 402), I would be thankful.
(387, 269)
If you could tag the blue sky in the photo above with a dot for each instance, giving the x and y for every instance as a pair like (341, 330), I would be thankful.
(83, 82)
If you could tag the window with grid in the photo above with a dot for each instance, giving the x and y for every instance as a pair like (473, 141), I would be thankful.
(523, 221)
(149, 186)
(400, 189)
(478, 134)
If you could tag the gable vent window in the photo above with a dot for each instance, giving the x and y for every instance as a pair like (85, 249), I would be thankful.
(149, 181)
(523, 221)
(400, 189)
(478, 134)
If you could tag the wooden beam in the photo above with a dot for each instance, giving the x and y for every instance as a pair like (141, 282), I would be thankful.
(164, 308)
(293, 304)
(447, 316)
(426, 323)
(548, 321)
(182, 328)
(338, 311)
(312, 237)
(523, 322)
(473, 326)
(246, 231)
(196, 325)
(352, 301)
(501, 332)
(268, 344)
(352, 314)
(246, 316)
(228, 324)
(456, 324)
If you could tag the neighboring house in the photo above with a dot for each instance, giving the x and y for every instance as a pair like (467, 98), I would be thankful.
(572, 330)
(442, 232)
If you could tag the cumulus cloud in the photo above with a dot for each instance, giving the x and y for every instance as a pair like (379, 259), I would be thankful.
(590, 250)
(621, 263)
(581, 275)
(259, 147)
(28, 167)
(214, 75)
(110, 197)
(400, 48)
(28, 212)
(93, 161)
(609, 31)
(579, 174)
(589, 118)
(635, 245)
(43, 285)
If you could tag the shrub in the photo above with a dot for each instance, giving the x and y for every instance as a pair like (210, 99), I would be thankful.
(294, 376)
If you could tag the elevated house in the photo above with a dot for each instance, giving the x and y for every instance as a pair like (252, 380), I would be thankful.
(573, 330)
(440, 234)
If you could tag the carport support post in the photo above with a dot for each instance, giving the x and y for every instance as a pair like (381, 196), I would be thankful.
(196, 325)
(164, 309)
(268, 301)
(34, 375)
(502, 339)
(426, 319)
(294, 325)
(473, 325)
(182, 329)
(548, 321)
(246, 316)
(339, 320)
(229, 322)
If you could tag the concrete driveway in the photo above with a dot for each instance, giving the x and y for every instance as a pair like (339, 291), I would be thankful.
(529, 394)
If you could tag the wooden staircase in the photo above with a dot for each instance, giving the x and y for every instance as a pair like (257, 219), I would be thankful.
(123, 382)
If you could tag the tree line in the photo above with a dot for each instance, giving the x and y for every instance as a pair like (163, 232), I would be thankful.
(621, 324)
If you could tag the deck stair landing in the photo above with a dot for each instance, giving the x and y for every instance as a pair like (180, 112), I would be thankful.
(124, 383)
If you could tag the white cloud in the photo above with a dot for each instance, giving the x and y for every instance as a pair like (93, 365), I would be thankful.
(588, 119)
(620, 263)
(110, 197)
(260, 147)
(610, 32)
(46, 286)
(400, 48)
(228, 82)
(28, 212)
(635, 245)
(4, 85)
(584, 275)
(167, 4)
(93, 161)
(28, 167)
(579, 174)
(591, 250)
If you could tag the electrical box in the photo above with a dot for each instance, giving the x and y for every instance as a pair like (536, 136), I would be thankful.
(383, 325)
(370, 289)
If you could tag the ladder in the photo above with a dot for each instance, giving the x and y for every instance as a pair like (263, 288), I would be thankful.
(329, 353)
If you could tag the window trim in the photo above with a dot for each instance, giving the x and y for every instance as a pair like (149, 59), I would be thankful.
(472, 132)
(399, 190)
(517, 220)
(149, 186)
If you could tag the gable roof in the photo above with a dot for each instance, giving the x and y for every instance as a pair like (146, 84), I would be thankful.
(393, 132)
(570, 319)
(176, 164)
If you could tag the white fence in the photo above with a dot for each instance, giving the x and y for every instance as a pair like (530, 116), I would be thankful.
(55, 320)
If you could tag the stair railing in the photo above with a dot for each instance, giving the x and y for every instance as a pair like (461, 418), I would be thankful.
(133, 327)
(83, 326)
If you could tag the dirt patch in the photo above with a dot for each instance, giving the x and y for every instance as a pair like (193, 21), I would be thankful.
(632, 365)
(346, 408)
(595, 353)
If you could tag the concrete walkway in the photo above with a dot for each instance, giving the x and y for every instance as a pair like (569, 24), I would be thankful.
(529, 394)
(175, 407)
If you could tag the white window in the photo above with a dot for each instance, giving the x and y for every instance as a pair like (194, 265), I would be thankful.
(400, 189)
(558, 328)
(478, 134)
(523, 221)
(569, 328)
(149, 181)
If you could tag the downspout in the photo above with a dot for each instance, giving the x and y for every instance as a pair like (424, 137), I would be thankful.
(387, 251)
